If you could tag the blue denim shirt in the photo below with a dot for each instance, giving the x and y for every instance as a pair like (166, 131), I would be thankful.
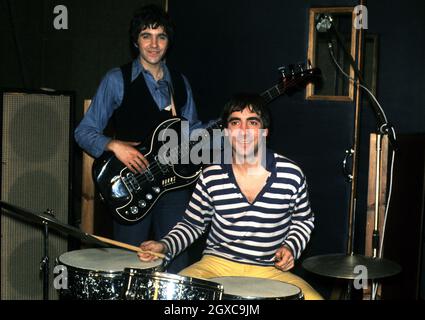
(109, 96)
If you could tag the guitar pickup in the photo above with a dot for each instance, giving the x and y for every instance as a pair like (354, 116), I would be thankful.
(163, 167)
(149, 174)
(132, 180)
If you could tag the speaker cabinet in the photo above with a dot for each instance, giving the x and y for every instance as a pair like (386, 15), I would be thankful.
(36, 174)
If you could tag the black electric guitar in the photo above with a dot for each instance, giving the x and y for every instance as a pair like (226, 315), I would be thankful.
(130, 196)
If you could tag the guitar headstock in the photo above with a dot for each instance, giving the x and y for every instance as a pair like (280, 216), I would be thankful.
(301, 73)
(294, 76)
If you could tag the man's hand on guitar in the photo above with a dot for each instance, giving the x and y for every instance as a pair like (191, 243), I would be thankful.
(153, 246)
(128, 155)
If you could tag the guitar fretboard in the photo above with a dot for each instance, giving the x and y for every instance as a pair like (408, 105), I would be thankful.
(273, 93)
(183, 150)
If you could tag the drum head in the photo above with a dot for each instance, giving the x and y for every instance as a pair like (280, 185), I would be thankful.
(105, 260)
(257, 288)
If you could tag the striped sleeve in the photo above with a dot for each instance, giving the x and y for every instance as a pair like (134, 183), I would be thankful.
(196, 219)
(302, 222)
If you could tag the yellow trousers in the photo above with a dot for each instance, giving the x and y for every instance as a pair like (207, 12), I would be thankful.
(212, 266)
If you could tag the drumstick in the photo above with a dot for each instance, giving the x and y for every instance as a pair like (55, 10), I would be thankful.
(127, 246)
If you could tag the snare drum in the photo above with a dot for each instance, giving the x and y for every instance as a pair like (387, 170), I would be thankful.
(97, 274)
(250, 288)
(141, 285)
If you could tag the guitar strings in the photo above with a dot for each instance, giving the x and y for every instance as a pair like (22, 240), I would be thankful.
(155, 168)
(176, 155)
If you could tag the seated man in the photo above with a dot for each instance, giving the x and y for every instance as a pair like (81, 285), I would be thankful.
(256, 205)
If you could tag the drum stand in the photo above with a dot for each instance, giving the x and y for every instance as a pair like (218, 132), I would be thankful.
(45, 262)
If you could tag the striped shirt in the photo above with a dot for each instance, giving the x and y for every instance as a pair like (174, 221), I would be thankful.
(242, 231)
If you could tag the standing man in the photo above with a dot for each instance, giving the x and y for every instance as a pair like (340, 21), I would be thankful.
(256, 206)
(136, 97)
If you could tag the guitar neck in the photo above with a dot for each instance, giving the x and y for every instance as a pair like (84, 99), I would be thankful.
(267, 96)
(184, 149)
(295, 79)
(217, 124)
(273, 93)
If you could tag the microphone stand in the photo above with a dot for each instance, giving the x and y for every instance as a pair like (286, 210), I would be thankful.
(384, 128)
(375, 234)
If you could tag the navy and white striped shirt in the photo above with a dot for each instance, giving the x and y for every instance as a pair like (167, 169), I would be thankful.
(242, 231)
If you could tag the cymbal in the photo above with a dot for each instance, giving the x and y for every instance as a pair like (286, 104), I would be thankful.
(42, 219)
(344, 266)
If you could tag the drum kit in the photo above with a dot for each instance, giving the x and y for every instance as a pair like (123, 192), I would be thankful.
(117, 274)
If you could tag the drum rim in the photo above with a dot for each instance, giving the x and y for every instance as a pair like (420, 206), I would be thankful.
(110, 273)
(299, 295)
(179, 279)
(103, 272)
(226, 296)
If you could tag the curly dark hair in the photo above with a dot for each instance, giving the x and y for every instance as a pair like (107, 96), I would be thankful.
(150, 16)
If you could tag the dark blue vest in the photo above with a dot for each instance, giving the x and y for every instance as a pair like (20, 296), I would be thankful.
(139, 114)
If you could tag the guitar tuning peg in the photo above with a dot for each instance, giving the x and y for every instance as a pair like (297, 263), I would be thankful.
(301, 67)
(282, 70)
